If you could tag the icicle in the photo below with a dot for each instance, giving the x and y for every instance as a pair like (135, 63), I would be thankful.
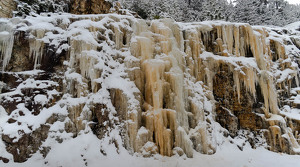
(219, 31)
(250, 80)
(297, 80)
(145, 47)
(177, 85)
(139, 27)
(177, 33)
(80, 51)
(118, 37)
(257, 48)
(6, 43)
(269, 93)
(228, 37)
(237, 83)
(294, 143)
(184, 142)
(236, 40)
(164, 36)
(275, 131)
(193, 50)
(164, 79)
(154, 82)
(37, 47)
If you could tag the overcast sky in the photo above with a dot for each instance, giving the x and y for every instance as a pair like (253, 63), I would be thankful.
(294, 1)
(290, 1)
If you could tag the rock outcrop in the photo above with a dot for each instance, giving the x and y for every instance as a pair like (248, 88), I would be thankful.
(7, 7)
(90, 6)
(163, 87)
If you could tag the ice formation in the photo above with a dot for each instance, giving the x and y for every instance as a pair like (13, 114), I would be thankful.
(6, 42)
(150, 86)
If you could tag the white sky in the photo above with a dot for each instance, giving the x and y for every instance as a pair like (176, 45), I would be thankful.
(290, 1)
(294, 1)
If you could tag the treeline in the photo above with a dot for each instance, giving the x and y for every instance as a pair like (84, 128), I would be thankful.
(254, 12)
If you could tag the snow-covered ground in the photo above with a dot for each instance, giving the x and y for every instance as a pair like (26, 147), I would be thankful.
(73, 154)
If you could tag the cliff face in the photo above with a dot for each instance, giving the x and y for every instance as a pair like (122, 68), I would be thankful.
(147, 86)
(90, 6)
(9, 8)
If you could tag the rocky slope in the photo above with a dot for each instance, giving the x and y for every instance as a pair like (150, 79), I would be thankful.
(151, 87)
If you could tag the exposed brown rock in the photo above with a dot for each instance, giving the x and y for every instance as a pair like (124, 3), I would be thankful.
(90, 6)
(101, 120)
(20, 59)
(7, 7)
(5, 160)
(233, 112)
(27, 145)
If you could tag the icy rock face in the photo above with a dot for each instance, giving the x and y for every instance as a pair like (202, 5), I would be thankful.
(147, 86)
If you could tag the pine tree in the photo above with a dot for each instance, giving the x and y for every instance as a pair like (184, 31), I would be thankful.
(32, 7)
(247, 11)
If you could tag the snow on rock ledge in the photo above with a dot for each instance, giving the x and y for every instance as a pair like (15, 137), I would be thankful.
(146, 86)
